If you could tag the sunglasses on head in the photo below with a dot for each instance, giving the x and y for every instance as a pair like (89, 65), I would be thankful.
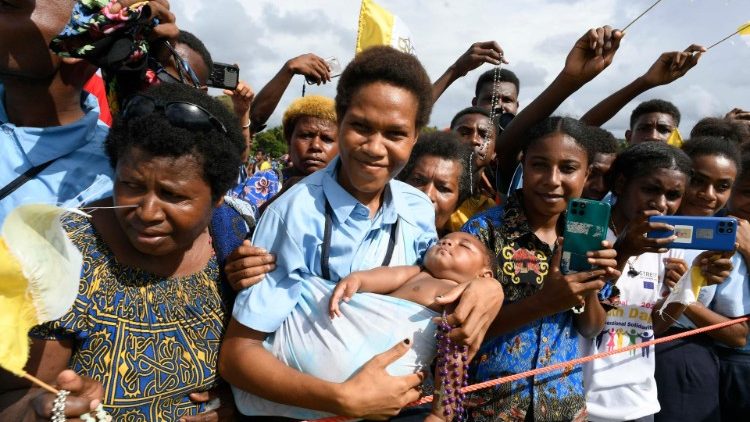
(179, 113)
(185, 73)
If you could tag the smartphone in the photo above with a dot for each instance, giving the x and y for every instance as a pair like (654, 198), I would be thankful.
(334, 68)
(224, 76)
(585, 229)
(702, 233)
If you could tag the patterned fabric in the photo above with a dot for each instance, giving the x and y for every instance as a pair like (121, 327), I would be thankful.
(523, 262)
(257, 189)
(115, 42)
(149, 340)
(91, 28)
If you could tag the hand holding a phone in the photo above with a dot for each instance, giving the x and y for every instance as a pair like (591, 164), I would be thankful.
(312, 67)
(563, 292)
(632, 241)
(242, 98)
(167, 28)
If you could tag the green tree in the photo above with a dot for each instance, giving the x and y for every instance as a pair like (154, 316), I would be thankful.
(271, 141)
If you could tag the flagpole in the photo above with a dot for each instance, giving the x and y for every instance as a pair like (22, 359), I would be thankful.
(742, 28)
(641, 15)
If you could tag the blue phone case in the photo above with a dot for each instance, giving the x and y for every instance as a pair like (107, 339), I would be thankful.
(702, 233)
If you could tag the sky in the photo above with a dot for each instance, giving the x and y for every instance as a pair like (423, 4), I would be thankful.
(536, 35)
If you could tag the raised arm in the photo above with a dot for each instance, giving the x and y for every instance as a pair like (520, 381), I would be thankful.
(309, 65)
(478, 54)
(666, 69)
(590, 55)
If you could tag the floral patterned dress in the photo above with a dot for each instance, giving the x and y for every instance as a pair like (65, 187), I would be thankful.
(523, 264)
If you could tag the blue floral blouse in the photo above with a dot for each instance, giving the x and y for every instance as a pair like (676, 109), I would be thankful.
(523, 263)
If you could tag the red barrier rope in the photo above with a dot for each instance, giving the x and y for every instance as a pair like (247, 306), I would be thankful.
(561, 365)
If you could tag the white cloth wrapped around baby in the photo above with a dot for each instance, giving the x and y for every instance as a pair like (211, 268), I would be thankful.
(333, 350)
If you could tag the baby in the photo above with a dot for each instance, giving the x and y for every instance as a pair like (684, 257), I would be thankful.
(334, 349)
(455, 259)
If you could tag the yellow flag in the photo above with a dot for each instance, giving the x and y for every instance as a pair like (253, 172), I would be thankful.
(675, 139)
(744, 29)
(378, 26)
(17, 316)
(40, 269)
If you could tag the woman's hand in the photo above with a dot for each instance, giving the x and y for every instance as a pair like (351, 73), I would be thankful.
(592, 53)
(242, 98)
(374, 394)
(344, 290)
(633, 241)
(715, 266)
(479, 302)
(674, 269)
(247, 265)
(312, 67)
(167, 28)
(219, 406)
(563, 292)
(85, 395)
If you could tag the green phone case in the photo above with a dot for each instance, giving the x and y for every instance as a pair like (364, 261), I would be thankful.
(585, 229)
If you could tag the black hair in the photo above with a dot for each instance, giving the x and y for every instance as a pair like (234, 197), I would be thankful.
(469, 110)
(603, 141)
(566, 125)
(744, 171)
(504, 75)
(448, 146)
(713, 145)
(388, 65)
(644, 158)
(219, 153)
(196, 45)
(719, 127)
(655, 106)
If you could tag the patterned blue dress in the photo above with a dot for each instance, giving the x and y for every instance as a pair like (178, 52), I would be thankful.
(150, 340)
(523, 263)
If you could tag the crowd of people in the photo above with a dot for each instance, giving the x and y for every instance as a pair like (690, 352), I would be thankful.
(386, 261)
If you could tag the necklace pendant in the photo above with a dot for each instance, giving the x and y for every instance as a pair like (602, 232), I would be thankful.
(632, 272)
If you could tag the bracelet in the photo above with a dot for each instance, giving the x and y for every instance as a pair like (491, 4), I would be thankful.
(247, 125)
(58, 406)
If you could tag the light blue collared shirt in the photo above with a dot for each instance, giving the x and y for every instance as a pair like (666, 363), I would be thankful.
(292, 228)
(80, 173)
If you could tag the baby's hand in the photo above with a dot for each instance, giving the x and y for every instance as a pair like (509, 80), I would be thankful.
(345, 289)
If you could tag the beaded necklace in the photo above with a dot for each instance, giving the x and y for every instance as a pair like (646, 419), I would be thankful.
(451, 358)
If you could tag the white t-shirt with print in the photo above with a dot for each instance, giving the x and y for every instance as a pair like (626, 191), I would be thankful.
(621, 387)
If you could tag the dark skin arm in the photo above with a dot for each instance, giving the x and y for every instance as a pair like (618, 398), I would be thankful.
(590, 55)
(381, 280)
(478, 54)
(311, 66)
(666, 69)
(560, 293)
(715, 267)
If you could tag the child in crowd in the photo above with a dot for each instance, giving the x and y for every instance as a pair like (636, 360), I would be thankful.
(687, 369)
(455, 259)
